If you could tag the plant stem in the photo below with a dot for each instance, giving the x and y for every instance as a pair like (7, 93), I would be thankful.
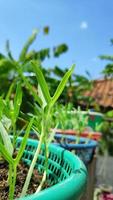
(77, 138)
(46, 167)
(43, 136)
(28, 178)
(12, 180)
(14, 135)
(42, 182)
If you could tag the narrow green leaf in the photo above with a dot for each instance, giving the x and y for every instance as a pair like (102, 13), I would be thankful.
(6, 122)
(36, 122)
(27, 45)
(41, 81)
(6, 154)
(6, 139)
(10, 91)
(24, 142)
(42, 97)
(62, 85)
(17, 100)
(1, 107)
(8, 50)
(30, 88)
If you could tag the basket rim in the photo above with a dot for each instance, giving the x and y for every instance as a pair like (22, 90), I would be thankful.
(88, 143)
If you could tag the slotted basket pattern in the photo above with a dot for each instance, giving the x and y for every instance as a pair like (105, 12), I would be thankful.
(66, 172)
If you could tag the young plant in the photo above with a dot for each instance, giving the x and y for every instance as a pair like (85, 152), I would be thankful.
(8, 116)
(69, 118)
(44, 110)
(80, 122)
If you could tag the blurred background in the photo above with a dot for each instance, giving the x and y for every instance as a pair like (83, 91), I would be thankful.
(85, 26)
(58, 34)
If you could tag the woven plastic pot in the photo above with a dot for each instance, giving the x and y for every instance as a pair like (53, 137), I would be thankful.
(85, 149)
(65, 170)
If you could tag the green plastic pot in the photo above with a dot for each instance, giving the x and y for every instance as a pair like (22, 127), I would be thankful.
(94, 120)
(65, 170)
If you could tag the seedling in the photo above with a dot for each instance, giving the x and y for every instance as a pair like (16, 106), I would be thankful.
(42, 122)
(9, 112)
(69, 118)
(8, 117)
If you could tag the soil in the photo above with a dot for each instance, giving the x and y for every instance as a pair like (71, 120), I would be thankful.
(22, 171)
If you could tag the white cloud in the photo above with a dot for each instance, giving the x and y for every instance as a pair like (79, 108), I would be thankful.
(84, 25)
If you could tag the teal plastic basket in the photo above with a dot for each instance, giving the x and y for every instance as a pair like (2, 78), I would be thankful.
(65, 170)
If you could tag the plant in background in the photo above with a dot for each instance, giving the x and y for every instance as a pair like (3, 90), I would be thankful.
(108, 70)
(8, 69)
(67, 117)
(80, 122)
(106, 127)
(62, 118)
(106, 142)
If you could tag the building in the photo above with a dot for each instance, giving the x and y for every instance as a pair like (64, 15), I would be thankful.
(102, 92)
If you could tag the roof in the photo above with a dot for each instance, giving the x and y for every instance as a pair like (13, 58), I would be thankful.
(102, 92)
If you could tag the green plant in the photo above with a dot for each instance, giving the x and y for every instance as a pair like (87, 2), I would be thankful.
(43, 123)
(106, 127)
(108, 70)
(10, 110)
(67, 117)
(8, 117)
(8, 64)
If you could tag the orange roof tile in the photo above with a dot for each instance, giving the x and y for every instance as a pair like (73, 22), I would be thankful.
(102, 92)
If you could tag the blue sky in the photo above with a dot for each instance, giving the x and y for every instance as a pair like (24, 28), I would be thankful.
(85, 26)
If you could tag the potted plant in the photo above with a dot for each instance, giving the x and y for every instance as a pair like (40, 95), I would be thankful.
(72, 124)
(71, 121)
(56, 166)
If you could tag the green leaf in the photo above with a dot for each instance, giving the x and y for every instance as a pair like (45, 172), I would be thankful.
(6, 154)
(42, 97)
(62, 85)
(46, 30)
(6, 122)
(37, 120)
(8, 50)
(10, 91)
(106, 57)
(1, 107)
(27, 45)
(62, 48)
(30, 88)
(17, 100)
(6, 139)
(24, 142)
(41, 81)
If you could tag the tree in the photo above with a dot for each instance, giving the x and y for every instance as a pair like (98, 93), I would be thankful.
(8, 65)
(108, 70)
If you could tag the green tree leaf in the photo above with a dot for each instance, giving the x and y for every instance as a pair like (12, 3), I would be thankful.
(27, 45)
